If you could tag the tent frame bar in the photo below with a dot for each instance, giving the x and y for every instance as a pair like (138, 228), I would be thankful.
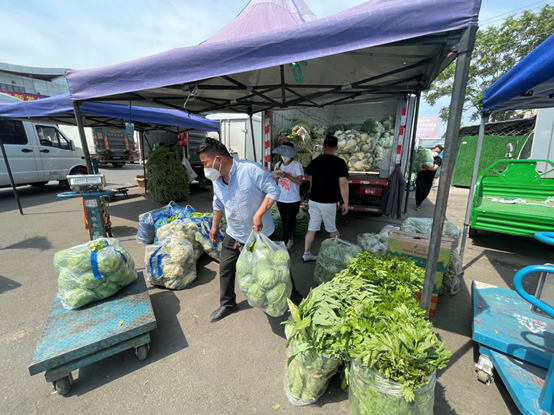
(412, 151)
(80, 126)
(10, 175)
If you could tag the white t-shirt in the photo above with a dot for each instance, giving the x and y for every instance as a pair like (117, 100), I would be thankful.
(290, 192)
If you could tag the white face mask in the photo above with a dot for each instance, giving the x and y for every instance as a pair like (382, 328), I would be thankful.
(435, 154)
(211, 173)
(285, 159)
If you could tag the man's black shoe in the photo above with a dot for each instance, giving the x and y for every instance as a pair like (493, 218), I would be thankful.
(222, 312)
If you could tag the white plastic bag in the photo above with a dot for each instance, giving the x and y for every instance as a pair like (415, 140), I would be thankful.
(333, 257)
(372, 243)
(147, 231)
(425, 225)
(93, 271)
(183, 229)
(192, 173)
(263, 274)
(171, 263)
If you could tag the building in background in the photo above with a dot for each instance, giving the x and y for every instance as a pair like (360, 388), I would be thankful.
(29, 83)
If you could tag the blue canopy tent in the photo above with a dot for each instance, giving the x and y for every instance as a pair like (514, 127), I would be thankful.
(376, 50)
(528, 85)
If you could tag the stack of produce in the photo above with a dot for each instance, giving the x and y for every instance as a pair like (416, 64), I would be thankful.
(301, 223)
(182, 229)
(422, 156)
(263, 274)
(334, 256)
(367, 318)
(213, 249)
(149, 222)
(168, 178)
(376, 243)
(93, 271)
(171, 263)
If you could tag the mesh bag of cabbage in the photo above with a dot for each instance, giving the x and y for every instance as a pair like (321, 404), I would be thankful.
(371, 394)
(307, 375)
(332, 258)
(171, 263)
(93, 271)
(263, 274)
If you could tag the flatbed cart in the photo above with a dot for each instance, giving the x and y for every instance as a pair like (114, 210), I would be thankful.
(72, 339)
(514, 332)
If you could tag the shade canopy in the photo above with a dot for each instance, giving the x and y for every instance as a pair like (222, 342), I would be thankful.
(378, 49)
(528, 85)
(59, 110)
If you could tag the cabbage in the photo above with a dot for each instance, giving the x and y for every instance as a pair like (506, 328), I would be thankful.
(333, 257)
(67, 281)
(283, 273)
(107, 289)
(266, 277)
(61, 259)
(422, 156)
(245, 281)
(89, 281)
(78, 297)
(277, 294)
(244, 264)
(256, 296)
(79, 261)
(281, 258)
(109, 260)
(118, 277)
(97, 245)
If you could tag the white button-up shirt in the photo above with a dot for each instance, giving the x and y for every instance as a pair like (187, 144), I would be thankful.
(249, 184)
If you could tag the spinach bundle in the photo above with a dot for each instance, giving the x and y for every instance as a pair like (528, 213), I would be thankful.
(168, 178)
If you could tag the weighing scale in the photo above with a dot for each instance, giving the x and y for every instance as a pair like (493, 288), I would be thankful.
(515, 335)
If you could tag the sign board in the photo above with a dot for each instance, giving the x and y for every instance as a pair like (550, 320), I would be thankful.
(24, 97)
(183, 139)
(427, 127)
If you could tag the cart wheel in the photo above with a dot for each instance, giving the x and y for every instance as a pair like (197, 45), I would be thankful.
(483, 377)
(142, 352)
(63, 385)
(472, 233)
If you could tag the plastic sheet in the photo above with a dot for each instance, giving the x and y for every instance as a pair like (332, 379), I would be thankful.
(424, 226)
(451, 280)
(333, 257)
(171, 263)
(371, 394)
(422, 156)
(147, 230)
(192, 173)
(213, 249)
(371, 243)
(308, 375)
(263, 274)
(93, 272)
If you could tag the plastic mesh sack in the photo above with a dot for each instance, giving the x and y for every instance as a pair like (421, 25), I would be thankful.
(424, 226)
(93, 272)
(422, 156)
(263, 274)
(372, 243)
(320, 131)
(213, 249)
(371, 394)
(360, 162)
(451, 280)
(183, 229)
(171, 263)
(147, 230)
(333, 257)
(308, 375)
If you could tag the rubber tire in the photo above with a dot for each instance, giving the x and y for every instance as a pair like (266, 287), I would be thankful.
(62, 386)
(483, 378)
(38, 184)
(118, 164)
(142, 352)
(472, 232)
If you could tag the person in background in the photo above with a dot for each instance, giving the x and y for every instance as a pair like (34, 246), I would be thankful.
(424, 180)
(245, 191)
(329, 180)
(289, 174)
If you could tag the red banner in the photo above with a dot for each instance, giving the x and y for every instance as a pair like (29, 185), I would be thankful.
(23, 97)
(183, 139)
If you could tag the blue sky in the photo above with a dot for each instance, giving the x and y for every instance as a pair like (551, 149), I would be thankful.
(86, 34)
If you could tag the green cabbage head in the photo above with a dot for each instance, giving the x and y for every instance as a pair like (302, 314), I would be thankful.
(97, 245)
(61, 259)
(281, 257)
(266, 277)
(87, 280)
(256, 296)
(106, 290)
(78, 297)
(244, 264)
(67, 281)
(277, 294)
(79, 261)
(245, 281)
(109, 260)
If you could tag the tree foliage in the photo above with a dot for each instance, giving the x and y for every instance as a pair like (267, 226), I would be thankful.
(498, 48)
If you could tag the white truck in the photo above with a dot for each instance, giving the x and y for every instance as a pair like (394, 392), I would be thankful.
(37, 153)
(366, 187)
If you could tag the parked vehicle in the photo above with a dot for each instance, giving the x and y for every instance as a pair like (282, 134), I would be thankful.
(37, 153)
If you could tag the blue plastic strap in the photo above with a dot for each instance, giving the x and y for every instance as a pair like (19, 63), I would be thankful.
(203, 233)
(94, 264)
(122, 256)
(160, 257)
(152, 256)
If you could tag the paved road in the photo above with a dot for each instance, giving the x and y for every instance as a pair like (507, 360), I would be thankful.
(121, 176)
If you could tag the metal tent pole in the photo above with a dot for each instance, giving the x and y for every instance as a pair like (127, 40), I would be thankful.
(81, 127)
(412, 146)
(252, 135)
(141, 137)
(10, 175)
(484, 120)
(461, 75)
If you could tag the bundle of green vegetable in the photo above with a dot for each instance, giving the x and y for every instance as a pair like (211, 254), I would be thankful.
(263, 274)
(93, 271)
(301, 223)
(367, 314)
(168, 178)
(171, 263)
(332, 258)
(422, 156)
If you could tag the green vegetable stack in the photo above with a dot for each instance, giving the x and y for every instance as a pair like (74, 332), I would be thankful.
(422, 156)
(333, 257)
(93, 271)
(168, 178)
(367, 317)
(263, 274)
(171, 263)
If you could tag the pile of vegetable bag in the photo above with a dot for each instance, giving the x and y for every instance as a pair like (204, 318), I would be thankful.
(93, 271)
(422, 156)
(147, 221)
(171, 263)
(372, 243)
(367, 317)
(263, 274)
(213, 249)
(334, 256)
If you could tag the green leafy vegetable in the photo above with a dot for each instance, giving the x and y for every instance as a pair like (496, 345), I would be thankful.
(168, 178)
(333, 257)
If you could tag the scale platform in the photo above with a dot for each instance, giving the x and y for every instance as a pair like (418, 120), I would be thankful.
(503, 321)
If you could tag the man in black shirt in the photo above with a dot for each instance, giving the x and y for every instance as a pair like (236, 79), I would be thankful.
(425, 178)
(329, 175)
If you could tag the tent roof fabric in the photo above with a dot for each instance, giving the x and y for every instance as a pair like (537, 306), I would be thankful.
(528, 85)
(368, 52)
(59, 109)
(263, 16)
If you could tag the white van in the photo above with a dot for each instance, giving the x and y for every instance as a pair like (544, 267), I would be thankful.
(37, 153)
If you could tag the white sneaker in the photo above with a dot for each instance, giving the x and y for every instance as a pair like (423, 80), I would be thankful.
(290, 243)
(309, 257)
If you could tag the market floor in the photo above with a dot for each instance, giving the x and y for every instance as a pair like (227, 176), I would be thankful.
(234, 366)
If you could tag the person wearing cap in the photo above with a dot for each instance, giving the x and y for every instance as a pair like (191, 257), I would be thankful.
(424, 181)
(289, 175)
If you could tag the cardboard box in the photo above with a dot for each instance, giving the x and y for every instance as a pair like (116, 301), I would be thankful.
(416, 246)
(141, 181)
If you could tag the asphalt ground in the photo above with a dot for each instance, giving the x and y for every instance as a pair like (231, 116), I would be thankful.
(234, 366)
